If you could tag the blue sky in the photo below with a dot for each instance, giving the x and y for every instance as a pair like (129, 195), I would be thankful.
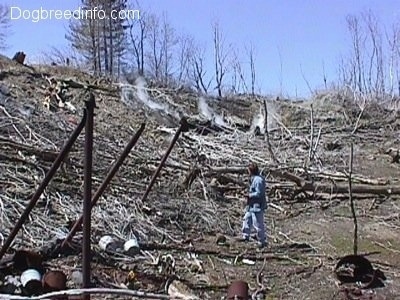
(308, 33)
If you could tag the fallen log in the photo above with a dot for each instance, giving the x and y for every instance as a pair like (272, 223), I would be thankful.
(333, 188)
(307, 186)
(222, 170)
(342, 177)
(45, 155)
(356, 189)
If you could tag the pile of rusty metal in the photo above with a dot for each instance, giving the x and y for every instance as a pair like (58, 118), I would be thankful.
(358, 278)
(24, 273)
(29, 263)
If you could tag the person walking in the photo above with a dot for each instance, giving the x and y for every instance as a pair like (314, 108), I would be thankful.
(256, 204)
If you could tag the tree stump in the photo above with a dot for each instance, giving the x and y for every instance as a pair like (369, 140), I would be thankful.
(19, 57)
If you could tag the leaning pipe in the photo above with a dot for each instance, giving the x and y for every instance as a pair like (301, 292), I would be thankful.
(184, 126)
(49, 175)
(105, 182)
(87, 193)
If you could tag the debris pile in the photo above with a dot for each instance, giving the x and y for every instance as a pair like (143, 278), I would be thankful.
(358, 277)
(24, 273)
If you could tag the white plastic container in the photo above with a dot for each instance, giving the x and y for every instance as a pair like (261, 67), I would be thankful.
(131, 247)
(30, 275)
(108, 243)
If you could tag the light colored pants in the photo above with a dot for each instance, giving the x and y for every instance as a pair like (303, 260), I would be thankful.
(254, 218)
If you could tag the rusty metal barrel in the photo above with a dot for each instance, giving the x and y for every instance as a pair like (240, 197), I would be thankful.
(54, 281)
(238, 290)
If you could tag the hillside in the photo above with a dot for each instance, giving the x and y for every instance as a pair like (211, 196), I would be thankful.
(194, 210)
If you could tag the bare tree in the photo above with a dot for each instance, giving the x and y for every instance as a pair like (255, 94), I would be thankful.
(394, 46)
(396, 49)
(168, 41)
(161, 41)
(372, 27)
(4, 26)
(251, 55)
(376, 78)
(220, 58)
(186, 50)
(235, 74)
(346, 73)
(198, 71)
(371, 67)
(358, 40)
(154, 53)
(238, 76)
(306, 80)
(138, 34)
(392, 41)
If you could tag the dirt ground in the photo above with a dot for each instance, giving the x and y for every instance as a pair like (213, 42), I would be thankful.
(298, 263)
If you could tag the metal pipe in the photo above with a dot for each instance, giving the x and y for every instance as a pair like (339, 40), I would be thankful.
(183, 127)
(87, 193)
(105, 182)
(49, 175)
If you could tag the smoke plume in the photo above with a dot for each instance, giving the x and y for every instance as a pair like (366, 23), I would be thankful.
(132, 93)
(205, 110)
(259, 118)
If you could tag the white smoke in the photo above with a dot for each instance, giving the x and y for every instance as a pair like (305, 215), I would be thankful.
(259, 118)
(219, 120)
(142, 95)
(131, 93)
(205, 110)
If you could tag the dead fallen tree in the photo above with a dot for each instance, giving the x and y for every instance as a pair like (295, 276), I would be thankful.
(335, 188)
(355, 189)
(317, 187)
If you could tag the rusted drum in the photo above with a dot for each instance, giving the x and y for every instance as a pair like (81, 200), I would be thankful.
(54, 281)
(238, 290)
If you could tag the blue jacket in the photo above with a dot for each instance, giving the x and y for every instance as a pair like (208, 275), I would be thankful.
(257, 197)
